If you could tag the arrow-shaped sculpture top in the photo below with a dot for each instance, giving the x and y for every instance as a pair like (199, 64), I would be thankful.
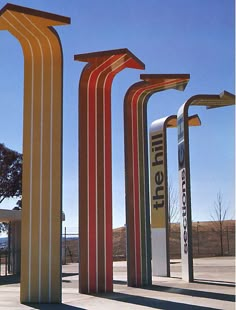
(41, 18)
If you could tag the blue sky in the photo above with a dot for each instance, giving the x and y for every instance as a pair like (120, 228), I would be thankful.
(195, 37)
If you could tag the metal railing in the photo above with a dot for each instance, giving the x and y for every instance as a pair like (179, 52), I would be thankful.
(4, 263)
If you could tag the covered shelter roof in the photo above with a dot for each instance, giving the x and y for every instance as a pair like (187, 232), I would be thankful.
(10, 215)
(15, 215)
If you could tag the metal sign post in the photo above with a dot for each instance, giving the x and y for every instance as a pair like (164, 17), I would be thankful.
(159, 199)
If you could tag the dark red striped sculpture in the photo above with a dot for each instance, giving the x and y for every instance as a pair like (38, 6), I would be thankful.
(95, 169)
(136, 172)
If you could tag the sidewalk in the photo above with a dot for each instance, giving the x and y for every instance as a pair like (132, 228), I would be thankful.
(213, 288)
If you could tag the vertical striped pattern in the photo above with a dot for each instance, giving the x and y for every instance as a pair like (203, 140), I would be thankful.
(210, 101)
(159, 217)
(95, 174)
(136, 167)
(42, 149)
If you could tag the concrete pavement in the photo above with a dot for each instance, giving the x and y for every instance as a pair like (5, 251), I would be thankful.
(213, 288)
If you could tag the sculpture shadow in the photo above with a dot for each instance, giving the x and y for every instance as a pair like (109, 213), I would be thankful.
(191, 292)
(150, 302)
(69, 274)
(53, 306)
(120, 282)
(216, 283)
(9, 279)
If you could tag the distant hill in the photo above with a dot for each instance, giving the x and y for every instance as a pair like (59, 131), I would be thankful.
(205, 240)
(3, 239)
(3, 243)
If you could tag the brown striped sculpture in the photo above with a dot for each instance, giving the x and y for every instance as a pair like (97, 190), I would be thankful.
(42, 149)
(136, 172)
(210, 101)
(95, 174)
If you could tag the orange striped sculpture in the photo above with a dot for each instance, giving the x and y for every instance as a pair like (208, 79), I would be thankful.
(95, 174)
(42, 149)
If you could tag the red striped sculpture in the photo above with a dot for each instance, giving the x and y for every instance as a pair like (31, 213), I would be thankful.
(136, 168)
(95, 168)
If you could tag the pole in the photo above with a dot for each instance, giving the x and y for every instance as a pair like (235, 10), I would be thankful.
(197, 238)
(9, 249)
(227, 234)
(65, 245)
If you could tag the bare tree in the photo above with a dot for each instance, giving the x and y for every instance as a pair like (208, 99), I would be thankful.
(173, 209)
(218, 218)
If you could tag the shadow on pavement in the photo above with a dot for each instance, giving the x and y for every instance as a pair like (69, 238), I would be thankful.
(194, 293)
(53, 306)
(66, 281)
(151, 302)
(69, 274)
(216, 283)
(10, 279)
(120, 282)
(188, 292)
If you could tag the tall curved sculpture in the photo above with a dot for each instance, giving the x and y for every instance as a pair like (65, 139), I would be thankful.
(159, 191)
(42, 149)
(210, 101)
(136, 171)
(95, 169)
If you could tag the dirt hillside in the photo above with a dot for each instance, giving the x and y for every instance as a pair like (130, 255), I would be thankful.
(205, 238)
